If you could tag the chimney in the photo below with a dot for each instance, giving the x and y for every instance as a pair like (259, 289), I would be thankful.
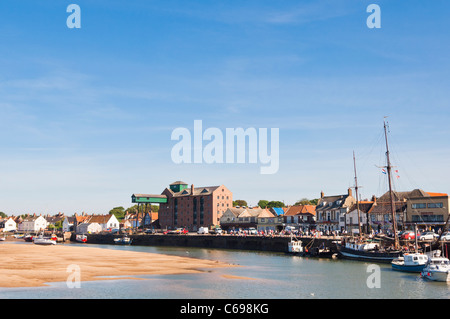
(349, 191)
(374, 198)
(322, 194)
(192, 189)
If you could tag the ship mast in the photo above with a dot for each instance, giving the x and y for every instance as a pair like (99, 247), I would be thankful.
(389, 167)
(356, 191)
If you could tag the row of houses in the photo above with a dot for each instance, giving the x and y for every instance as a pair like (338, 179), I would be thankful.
(417, 207)
(338, 213)
(82, 224)
(194, 207)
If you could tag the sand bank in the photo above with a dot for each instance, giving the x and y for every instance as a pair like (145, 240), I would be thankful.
(29, 265)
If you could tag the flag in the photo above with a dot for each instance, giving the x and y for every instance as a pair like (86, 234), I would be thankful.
(383, 171)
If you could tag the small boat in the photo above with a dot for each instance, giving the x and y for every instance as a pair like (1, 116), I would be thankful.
(295, 247)
(28, 238)
(2, 238)
(437, 268)
(414, 262)
(81, 238)
(41, 240)
(125, 240)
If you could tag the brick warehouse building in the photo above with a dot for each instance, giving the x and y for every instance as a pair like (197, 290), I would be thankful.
(193, 207)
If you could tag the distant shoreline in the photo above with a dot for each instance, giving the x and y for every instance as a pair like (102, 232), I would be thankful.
(31, 265)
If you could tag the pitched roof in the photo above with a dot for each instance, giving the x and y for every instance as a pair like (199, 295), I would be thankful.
(277, 210)
(402, 196)
(331, 202)
(250, 212)
(364, 206)
(385, 207)
(301, 209)
(101, 219)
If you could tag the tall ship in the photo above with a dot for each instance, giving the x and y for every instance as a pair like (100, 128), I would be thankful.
(360, 248)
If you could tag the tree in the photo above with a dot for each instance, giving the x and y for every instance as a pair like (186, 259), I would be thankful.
(263, 203)
(119, 212)
(240, 202)
(2, 215)
(275, 203)
(306, 201)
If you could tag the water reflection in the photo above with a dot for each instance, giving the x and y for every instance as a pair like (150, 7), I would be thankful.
(259, 275)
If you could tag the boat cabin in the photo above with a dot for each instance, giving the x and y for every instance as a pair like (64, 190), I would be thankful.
(415, 259)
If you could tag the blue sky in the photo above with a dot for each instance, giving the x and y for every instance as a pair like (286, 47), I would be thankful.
(87, 114)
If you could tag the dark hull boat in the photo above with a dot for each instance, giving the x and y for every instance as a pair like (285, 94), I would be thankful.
(365, 252)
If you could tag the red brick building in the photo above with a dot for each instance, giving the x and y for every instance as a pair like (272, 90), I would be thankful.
(193, 207)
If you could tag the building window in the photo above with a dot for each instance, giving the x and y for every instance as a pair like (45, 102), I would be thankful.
(419, 205)
(435, 205)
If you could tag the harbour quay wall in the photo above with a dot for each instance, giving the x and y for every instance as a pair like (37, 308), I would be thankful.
(257, 243)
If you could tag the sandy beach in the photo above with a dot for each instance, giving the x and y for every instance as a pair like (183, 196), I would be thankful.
(24, 265)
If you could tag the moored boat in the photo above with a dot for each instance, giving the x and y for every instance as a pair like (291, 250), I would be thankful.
(367, 252)
(361, 248)
(437, 269)
(81, 238)
(125, 240)
(41, 240)
(295, 247)
(414, 262)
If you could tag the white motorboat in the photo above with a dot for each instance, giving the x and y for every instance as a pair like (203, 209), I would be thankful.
(41, 240)
(295, 247)
(414, 262)
(437, 268)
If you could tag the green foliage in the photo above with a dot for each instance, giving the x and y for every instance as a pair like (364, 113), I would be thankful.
(275, 203)
(119, 212)
(239, 202)
(263, 203)
(306, 201)
(3, 215)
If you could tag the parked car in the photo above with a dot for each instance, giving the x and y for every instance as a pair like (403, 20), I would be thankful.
(218, 231)
(203, 230)
(428, 236)
(150, 231)
(252, 231)
(176, 231)
(446, 236)
(409, 234)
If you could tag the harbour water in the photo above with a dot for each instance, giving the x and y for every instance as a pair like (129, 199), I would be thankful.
(259, 276)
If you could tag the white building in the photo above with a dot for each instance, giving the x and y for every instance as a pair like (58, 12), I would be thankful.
(68, 223)
(89, 228)
(33, 224)
(9, 225)
(107, 222)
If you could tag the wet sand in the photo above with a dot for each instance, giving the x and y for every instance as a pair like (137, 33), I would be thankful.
(29, 265)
